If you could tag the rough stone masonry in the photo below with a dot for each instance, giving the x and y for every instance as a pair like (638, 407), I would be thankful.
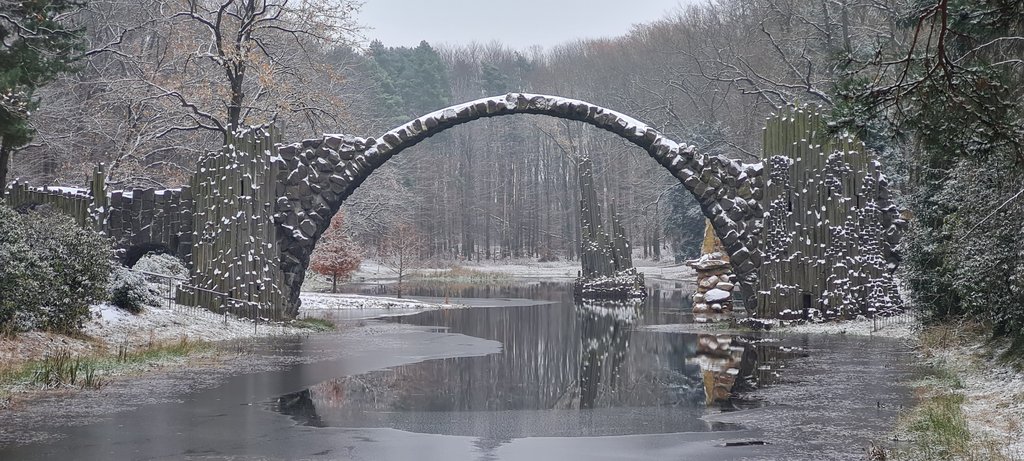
(316, 176)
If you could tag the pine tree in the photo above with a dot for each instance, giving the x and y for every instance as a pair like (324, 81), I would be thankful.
(35, 46)
(418, 74)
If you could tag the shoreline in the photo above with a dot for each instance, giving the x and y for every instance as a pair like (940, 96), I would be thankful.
(987, 393)
(115, 345)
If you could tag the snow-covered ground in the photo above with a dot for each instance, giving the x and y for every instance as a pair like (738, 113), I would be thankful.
(526, 268)
(343, 308)
(904, 328)
(114, 326)
(110, 328)
(317, 301)
(993, 395)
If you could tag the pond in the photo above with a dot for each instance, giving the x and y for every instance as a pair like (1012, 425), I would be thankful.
(524, 373)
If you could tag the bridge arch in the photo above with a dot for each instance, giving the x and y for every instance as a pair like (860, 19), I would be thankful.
(316, 176)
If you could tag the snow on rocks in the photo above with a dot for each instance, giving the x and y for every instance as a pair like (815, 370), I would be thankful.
(715, 295)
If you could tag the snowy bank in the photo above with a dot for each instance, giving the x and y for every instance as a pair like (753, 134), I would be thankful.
(115, 326)
(110, 328)
(904, 328)
(320, 301)
(993, 394)
(371, 270)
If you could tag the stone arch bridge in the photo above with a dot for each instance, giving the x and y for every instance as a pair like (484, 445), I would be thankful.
(311, 180)
(316, 176)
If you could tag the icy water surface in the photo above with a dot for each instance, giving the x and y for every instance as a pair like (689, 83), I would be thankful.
(557, 359)
(524, 374)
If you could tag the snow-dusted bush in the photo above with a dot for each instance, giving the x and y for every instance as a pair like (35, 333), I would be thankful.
(129, 291)
(20, 273)
(161, 263)
(50, 271)
(78, 267)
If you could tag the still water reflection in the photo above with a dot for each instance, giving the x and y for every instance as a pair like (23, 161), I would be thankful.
(566, 369)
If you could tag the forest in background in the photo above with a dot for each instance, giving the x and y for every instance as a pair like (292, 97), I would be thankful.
(933, 86)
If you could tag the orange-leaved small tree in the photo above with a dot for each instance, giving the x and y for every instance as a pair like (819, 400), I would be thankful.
(335, 255)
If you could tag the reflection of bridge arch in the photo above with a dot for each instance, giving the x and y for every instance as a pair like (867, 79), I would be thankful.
(316, 176)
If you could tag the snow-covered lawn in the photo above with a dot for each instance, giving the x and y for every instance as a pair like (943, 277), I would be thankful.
(319, 301)
(993, 395)
(114, 326)
(110, 328)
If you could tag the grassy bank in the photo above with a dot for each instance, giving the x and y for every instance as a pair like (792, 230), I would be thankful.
(959, 400)
(314, 324)
(462, 274)
(62, 369)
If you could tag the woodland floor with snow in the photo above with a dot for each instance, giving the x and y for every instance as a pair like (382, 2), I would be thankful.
(371, 270)
(162, 324)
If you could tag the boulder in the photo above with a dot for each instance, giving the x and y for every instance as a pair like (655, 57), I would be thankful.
(708, 282)
(717, 295)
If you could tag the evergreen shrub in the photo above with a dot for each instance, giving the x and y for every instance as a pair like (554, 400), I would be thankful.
(129, 291)
(161, 263)
(51, 271)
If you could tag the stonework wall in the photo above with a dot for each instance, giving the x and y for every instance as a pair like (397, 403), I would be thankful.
(143, 220)
(137, 221)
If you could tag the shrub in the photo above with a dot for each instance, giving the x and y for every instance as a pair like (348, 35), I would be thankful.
(20, 275)
(79, 266)
(128, 290)
(161, 263)
(50, 271)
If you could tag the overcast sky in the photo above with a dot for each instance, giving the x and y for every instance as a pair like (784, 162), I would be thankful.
(517, 23)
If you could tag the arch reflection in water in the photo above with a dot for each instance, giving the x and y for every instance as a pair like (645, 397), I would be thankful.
(565, 369)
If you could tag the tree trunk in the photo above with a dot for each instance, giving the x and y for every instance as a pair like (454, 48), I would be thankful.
(334, 283)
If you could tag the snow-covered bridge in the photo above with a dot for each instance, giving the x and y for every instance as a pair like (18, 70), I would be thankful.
(302, 186)
(330, 169)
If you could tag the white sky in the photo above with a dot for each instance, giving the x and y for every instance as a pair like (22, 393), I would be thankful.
(517, 23)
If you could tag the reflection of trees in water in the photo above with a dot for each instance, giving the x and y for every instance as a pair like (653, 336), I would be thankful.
(553, 357)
